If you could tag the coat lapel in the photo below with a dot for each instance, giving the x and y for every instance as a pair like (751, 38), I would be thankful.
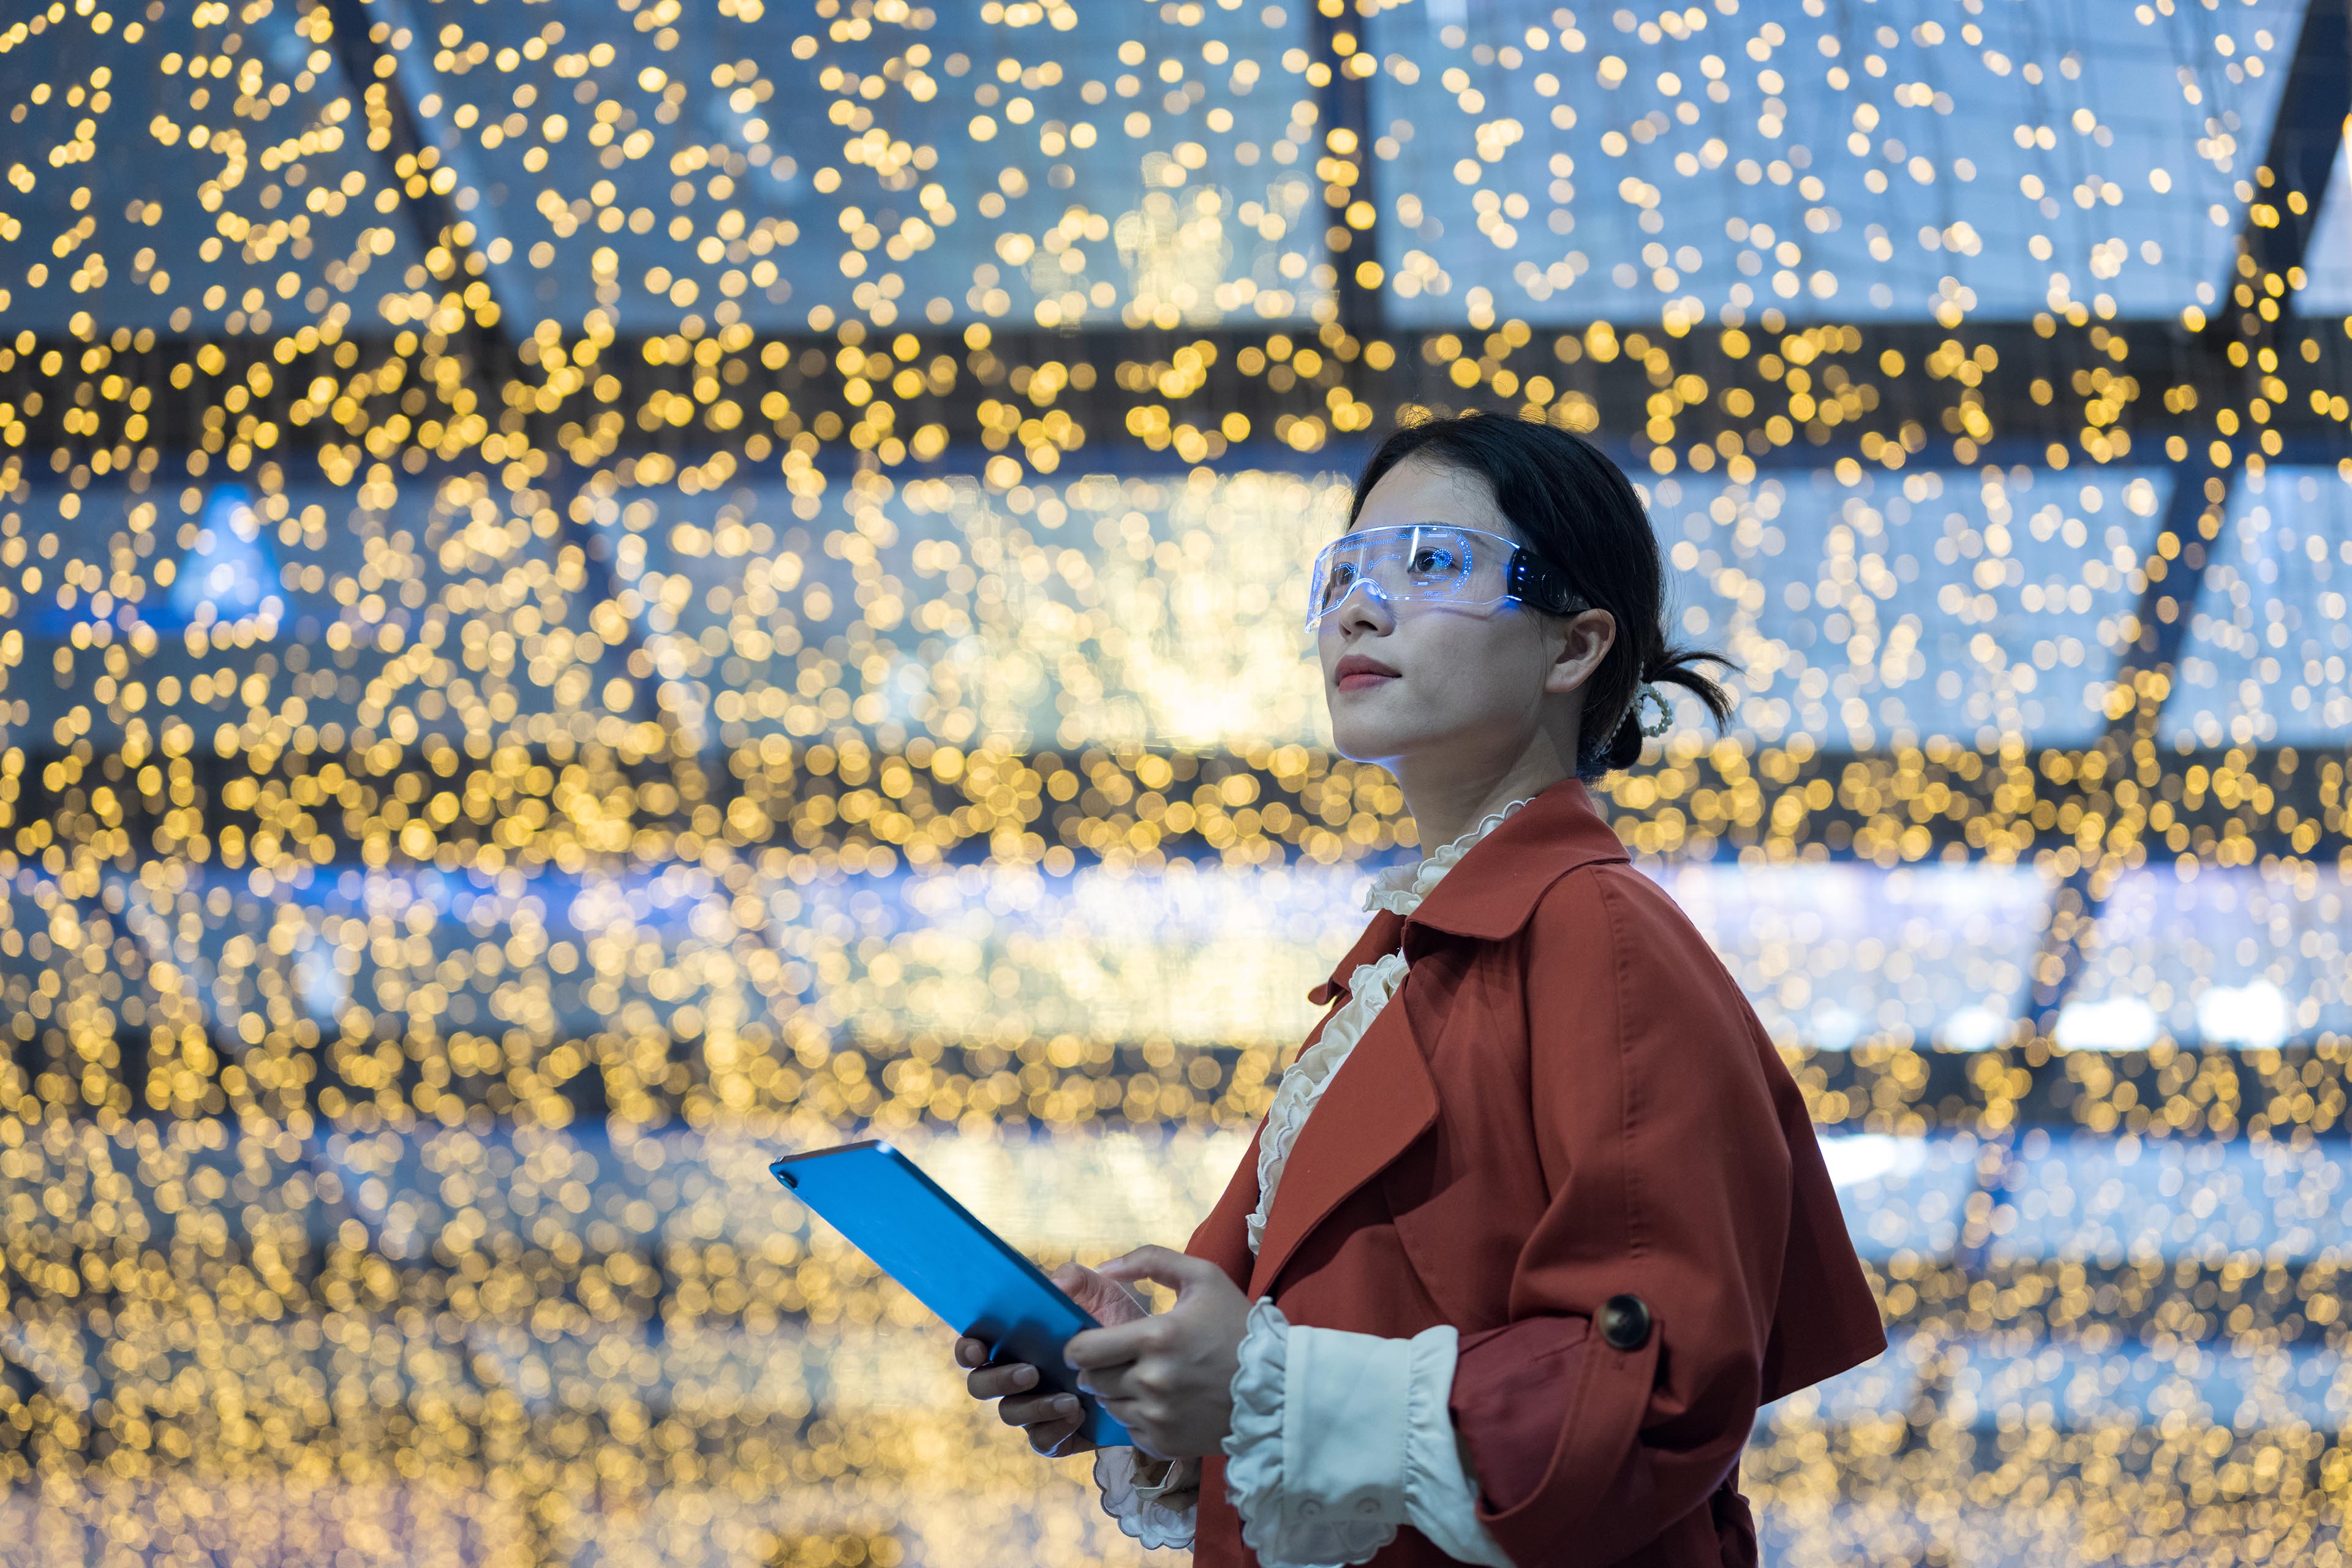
(1381, 935)
(1375, 1106)
(1382, 1098)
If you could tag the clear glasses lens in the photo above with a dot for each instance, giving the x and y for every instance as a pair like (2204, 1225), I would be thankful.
(1432, 563)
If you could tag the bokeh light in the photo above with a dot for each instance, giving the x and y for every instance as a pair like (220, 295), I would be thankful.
(590, 590)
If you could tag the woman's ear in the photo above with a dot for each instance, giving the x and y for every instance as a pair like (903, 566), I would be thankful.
(1585, 641)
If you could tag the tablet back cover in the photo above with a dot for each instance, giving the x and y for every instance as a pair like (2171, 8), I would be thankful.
(975, 1280)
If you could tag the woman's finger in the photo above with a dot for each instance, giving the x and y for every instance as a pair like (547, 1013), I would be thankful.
(996, 1381)
(970, 1351)
(1112, 1346)
(1055, 1439)
(1032, 1410)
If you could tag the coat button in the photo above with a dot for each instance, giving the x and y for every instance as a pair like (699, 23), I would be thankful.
(1625, 1322)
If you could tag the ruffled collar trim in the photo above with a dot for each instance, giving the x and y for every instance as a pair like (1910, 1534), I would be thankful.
(1401, 889)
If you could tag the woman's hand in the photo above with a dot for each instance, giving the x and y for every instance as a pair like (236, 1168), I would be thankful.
(1050, 1421)
(1169, 1377)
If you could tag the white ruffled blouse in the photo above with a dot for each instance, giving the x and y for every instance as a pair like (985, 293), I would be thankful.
(1338, 1438)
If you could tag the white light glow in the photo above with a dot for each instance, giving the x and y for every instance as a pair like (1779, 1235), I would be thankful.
(2118, 1023)
(2254, 1014)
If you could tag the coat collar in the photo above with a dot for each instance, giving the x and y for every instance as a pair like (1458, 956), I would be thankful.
(1493, 889)
(1383, 1098)
(1526, 852)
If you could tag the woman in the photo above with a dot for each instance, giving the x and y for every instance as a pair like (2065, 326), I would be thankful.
(1537, 1219)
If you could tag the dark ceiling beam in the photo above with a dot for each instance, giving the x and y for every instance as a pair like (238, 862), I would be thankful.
(1890, 807)
(2023, 389)
(362, 40)
(23, 1383)
(2250, 337)
(1880, 1078)
(363, 31)
(2290, 184)
(2305, 140)
(1344, 102)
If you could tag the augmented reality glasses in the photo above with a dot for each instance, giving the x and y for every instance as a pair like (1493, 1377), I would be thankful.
(1429, 562)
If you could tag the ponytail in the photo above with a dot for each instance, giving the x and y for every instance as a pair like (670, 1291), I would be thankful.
(1671, 667)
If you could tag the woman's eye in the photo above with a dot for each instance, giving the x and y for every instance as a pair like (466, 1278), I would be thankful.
(1434, 560)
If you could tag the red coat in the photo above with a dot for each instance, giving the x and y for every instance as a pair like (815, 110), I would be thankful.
(1570, 1100)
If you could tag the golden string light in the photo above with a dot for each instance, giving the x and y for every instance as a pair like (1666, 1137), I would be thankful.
(585, 596)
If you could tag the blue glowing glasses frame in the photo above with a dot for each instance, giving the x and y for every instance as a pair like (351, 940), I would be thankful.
(1527, 578)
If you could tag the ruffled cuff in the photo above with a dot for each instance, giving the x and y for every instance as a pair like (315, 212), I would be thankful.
(1158, 1514)
(1291, 1515)
(1338, 1438)
(1441, 1489)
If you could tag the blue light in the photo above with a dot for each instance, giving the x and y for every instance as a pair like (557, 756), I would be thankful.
(229, 574)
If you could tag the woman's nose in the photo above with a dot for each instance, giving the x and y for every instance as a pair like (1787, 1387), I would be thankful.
(1364, 604)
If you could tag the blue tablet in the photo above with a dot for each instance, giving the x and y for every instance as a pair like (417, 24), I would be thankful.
(969, 1274)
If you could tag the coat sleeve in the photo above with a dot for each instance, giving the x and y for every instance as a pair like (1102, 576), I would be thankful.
(1668, 1177)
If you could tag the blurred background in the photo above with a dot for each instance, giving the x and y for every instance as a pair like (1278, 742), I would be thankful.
(591, 590)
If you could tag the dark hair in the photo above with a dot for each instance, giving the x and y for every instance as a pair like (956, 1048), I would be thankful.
(1579, 515)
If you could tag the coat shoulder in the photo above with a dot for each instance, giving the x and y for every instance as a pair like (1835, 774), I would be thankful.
(1613, 907)
(1609, 925)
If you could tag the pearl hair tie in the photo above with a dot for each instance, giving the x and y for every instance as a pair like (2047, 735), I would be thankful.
(1666, 718)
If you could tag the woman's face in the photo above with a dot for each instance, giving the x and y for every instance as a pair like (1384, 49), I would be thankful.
(1415, 680)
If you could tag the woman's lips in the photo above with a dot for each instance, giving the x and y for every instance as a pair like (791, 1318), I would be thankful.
(1358, 673)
